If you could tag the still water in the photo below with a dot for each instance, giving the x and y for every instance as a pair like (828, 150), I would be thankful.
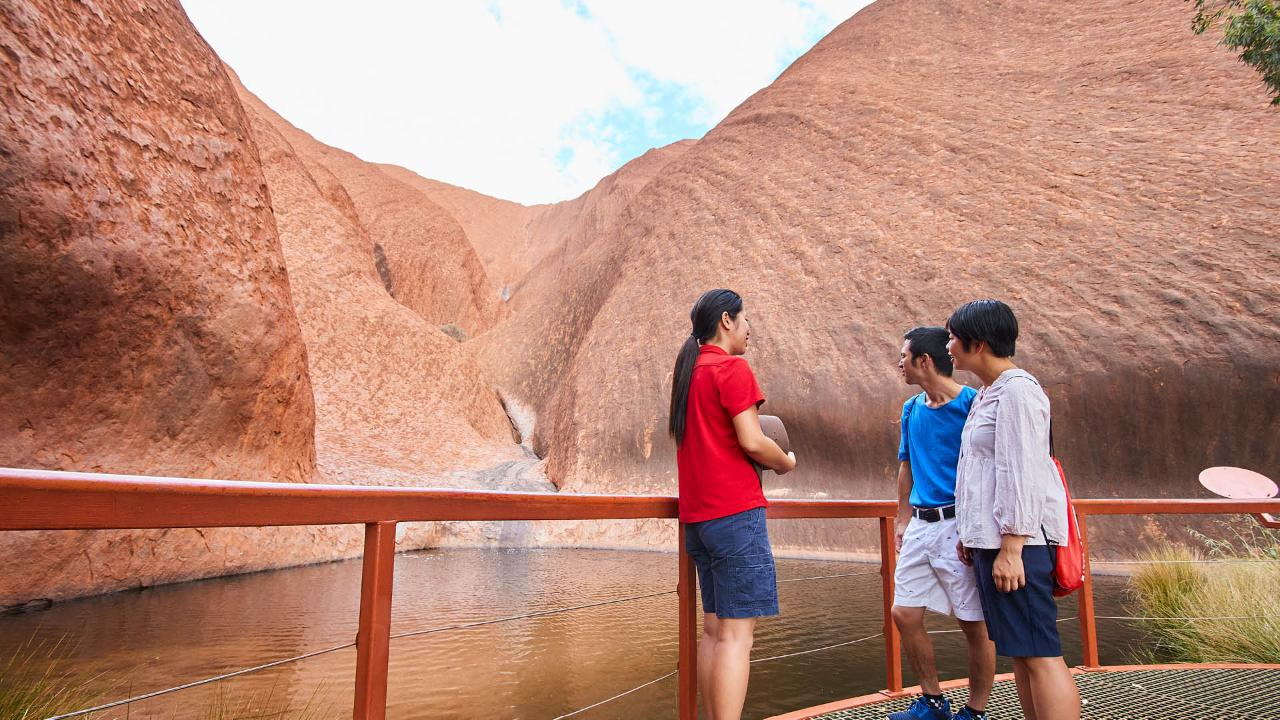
(538, 668)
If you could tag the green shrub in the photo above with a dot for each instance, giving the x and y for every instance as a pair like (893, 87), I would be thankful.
(1250, 26)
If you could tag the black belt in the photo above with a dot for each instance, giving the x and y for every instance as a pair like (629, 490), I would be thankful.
(934, 514)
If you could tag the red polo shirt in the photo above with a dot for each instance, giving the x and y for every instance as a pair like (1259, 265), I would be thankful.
(716, 476)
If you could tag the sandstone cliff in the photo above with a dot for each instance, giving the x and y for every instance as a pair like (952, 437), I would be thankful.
(146, 324)
(192, 286)
(376, 268)
(1097, 166)
(150, 326)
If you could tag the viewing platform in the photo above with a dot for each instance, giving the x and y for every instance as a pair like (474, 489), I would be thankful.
(1123, 692)
(47, 500)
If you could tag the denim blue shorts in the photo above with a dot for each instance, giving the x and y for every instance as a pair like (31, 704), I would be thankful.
(1022, 623)
(735, 565)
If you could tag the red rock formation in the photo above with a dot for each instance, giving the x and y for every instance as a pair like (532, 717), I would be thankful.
(532, 355)
(149, 326)
(424, 258)
(142, 274)
(514, 240)
(145, 318)
(1097, 166)
(498, 230)
(1104, 171)
(398, 401)
(561, 259)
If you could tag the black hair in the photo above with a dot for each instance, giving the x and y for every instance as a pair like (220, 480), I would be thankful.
(931, 341)
(705, 317)
(988, 321)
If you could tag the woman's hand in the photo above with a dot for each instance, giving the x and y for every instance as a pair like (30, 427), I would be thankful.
(758, 446)
(1007, 570)
(963, 553)
(789, 466)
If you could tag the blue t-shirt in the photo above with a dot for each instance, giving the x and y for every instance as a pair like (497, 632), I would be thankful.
(930, 441)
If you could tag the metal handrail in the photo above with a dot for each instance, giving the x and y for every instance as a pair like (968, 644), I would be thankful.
(51, 500)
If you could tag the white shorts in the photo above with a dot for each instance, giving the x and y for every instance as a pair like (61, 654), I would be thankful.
(930, 574)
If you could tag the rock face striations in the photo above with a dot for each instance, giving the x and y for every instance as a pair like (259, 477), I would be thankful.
(192, 286)
(146, 323)
(150, 326)
(376, 269)
(1099, 168)
(147, 316)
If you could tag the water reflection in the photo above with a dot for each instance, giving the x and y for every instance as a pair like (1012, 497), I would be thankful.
(531, 668)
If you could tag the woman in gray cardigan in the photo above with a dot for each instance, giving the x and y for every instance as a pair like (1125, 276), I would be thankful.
(1011, 508)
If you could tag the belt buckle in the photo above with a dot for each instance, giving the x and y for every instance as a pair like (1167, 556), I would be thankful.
(933, 515)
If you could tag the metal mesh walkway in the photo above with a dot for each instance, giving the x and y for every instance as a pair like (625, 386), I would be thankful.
(1154, 694)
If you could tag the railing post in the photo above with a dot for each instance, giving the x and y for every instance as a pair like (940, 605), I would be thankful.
(687, 665)
(1267, 520)
(1088, 630)
(892, 643)
(373, 641)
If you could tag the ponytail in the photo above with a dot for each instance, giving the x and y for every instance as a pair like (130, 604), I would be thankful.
(680, 386)
(705, 318)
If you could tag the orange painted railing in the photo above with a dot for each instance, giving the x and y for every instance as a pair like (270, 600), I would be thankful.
(47, 500)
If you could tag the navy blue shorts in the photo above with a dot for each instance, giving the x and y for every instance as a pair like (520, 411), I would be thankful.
(1022, 623)
(735, 565)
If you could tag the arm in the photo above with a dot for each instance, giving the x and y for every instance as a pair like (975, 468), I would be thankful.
(1022, 460)
(1022, 446)
(905, 480)
(904, 501)
(759, 446)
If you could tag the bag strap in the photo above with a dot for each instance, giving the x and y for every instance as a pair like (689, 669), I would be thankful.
(1052, 454)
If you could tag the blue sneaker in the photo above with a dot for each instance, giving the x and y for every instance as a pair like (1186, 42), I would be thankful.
(922, 709)
(967, 714)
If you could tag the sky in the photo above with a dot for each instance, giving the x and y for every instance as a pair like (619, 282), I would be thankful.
(527, 100)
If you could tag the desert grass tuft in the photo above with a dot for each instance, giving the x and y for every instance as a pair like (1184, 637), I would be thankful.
(262, 706)
(1246, 595)
(34, 686)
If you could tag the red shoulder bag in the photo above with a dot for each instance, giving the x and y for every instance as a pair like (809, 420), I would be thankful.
(1068, 566)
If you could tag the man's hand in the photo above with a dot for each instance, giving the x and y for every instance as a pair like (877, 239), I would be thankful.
(963, 553)
(1007, 570)
(904, 503)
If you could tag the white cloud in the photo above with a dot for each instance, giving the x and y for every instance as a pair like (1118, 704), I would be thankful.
(531, 100)
(722, 51)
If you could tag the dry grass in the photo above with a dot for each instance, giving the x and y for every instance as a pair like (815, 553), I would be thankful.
(454, 332)
(1248, 593)
(256, 706)
(33, 686)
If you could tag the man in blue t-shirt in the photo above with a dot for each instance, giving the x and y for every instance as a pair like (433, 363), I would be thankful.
(929, 573)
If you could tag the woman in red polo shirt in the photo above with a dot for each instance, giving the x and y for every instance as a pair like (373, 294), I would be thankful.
(714, 397)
